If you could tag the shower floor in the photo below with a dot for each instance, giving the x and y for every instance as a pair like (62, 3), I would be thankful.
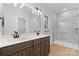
(57, 50)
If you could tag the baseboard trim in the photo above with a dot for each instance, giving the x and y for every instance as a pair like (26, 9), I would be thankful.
(66, 44)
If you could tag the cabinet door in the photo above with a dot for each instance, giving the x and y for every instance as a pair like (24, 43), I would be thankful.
(24, 52)
(29, 51)
(45, 47)
(37, 47)
(37, 50)
(42, 49)
(17, 49)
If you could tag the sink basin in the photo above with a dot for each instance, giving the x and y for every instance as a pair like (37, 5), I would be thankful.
(23, 37)
(16, 39)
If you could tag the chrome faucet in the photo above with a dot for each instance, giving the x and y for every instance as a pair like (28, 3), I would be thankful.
(16, 35)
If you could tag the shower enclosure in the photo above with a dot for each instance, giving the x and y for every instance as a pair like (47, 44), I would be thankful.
(68, 29)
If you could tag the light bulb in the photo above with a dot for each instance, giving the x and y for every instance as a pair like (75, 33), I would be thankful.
(15, 4)
(35, 12)
(32, 11)
(22, 5)
(38, 14)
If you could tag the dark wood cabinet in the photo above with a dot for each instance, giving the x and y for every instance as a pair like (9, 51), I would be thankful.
(25, 48)
(45, 46)
(42, 46)
(37, 47)
(44, 49)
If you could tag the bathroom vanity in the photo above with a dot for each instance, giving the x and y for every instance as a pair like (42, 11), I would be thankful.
(33, 46)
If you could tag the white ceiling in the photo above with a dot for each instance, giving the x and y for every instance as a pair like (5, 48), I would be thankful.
(54, 7)
(59, 7)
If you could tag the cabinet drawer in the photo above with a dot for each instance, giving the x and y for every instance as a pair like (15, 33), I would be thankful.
(14, 48)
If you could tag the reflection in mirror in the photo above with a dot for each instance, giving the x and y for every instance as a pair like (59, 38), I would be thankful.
(16, 18)
(22, 20)
(35, 23)
(2, 25)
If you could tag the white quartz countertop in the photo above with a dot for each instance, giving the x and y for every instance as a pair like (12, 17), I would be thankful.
(8, 40)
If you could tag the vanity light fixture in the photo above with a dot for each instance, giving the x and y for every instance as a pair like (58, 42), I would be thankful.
(36, 11)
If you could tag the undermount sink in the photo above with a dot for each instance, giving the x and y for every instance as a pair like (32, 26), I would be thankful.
(18, 39)
(10, 38)
(23, 37)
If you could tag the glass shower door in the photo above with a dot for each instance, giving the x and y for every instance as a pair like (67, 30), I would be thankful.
(68, 29)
